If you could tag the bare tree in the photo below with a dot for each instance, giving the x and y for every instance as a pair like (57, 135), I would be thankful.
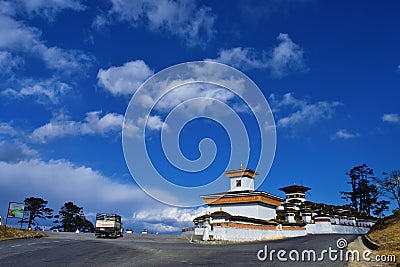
(389, 186)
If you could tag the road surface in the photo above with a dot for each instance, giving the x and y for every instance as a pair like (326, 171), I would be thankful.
(70, 249)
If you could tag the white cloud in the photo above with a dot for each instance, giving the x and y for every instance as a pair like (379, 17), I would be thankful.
(15, 151)
(169, 219)
(16, 36)
(9, 62)
(343, 133)
(124, 80)
(240, 57)
(100, 21)
(190, 91)
(185, 19)
(64, 60)
(8, 8)
(205, 96)
(95, 125)
(44, 91)
(185, 96)
(7, 129)
(61, 126)
(131, 129)
(154, 123)
(285, 58)
(59, 181)
(299, 112)
(391, 117)
(48, 8)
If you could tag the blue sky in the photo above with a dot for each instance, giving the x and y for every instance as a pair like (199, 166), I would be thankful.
(330, 72)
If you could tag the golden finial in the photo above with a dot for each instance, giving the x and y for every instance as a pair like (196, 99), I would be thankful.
(241, 166)
(220, 208)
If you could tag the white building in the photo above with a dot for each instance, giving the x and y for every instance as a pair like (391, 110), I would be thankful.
(242, 213)
(241, 199)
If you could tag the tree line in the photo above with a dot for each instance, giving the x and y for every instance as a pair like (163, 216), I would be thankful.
(69, 218)
(370, 194)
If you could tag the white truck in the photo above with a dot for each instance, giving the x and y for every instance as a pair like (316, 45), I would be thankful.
(108, 225)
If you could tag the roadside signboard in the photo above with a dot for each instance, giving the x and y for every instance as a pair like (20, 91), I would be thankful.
(15, 210)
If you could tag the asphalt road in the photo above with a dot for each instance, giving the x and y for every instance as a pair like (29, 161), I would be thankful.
(70, 249)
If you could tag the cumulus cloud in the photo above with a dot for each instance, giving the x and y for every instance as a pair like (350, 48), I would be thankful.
(43, 91)
(12, 152)
(16, 36)
(285, 58)
(299, 112)
(191, 91)
(59, 181)
(185, 96)
(62, 126)
(124, 80)
(153, 122)
(185, 19)
(343, 133)
(391, 117)
(167, 219)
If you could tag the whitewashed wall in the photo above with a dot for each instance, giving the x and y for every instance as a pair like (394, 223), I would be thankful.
(246, 184)
(243, 234)
(252, 210)
(328, 228)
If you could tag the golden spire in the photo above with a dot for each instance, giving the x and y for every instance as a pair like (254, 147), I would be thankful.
(241, 166)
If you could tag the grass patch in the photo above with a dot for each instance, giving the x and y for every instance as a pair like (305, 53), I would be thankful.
(9, 232)
(386, 232)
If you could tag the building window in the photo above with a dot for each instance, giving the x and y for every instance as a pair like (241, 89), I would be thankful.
(238, 183)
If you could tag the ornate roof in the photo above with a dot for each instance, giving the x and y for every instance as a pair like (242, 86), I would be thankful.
(294, 189)
(246, 196)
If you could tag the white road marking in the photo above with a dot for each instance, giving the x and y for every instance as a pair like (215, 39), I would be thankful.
(44, 242)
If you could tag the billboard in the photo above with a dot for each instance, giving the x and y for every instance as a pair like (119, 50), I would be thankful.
(15, 210)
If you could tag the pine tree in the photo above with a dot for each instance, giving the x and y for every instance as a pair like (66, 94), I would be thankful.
(36, 208)
(71, 218)
(364, 193)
